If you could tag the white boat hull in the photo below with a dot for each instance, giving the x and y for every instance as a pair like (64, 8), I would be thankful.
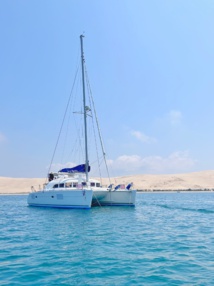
(81, 199)
(114, 198)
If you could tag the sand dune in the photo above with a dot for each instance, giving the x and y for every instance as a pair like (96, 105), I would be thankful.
(19, 185)
(197, 180)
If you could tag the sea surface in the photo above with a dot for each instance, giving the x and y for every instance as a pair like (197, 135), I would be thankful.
(167, 239)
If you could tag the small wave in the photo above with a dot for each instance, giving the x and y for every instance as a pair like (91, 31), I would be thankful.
(201, 210)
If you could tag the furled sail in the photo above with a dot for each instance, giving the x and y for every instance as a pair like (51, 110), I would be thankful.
(78, 169)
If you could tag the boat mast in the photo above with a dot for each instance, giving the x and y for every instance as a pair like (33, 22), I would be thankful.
(84, 108)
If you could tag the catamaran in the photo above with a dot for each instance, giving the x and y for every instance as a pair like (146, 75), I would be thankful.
(72, 187)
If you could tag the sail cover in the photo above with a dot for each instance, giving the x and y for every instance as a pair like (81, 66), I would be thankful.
(77, 169)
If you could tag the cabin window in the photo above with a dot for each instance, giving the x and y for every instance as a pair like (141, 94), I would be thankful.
(55, 186)
(84, 183)
(74, 185)
(61, 185)
(92, 184)
(98, 185)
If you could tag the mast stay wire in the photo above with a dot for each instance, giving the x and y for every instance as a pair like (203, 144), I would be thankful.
(99, 132)
(60, 131)
(93, 127)
(77, 146)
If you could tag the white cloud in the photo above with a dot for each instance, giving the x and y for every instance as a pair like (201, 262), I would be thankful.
(142, 137)
(179, 161)
(175, 117)
(176, 162)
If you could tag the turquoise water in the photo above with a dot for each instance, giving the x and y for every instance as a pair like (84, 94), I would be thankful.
(167, 239)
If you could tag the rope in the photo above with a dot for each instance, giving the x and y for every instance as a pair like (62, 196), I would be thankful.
(97, 200)
(99, 132)
(60, 131)
(93, 127)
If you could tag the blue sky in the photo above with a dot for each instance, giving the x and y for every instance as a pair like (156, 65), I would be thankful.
(151, 67)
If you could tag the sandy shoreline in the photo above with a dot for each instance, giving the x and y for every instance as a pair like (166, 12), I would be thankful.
(190, 181)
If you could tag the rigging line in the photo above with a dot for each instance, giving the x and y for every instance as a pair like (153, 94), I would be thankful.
(98, 167)
(73, 151)
(67, 125)
(95, 139)
(113, 173)
(78, 127)
(71, 107)
(99, 132)
(65, 141)
(99, 162)
(63, 121)
(79, 139)
(100, 159)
